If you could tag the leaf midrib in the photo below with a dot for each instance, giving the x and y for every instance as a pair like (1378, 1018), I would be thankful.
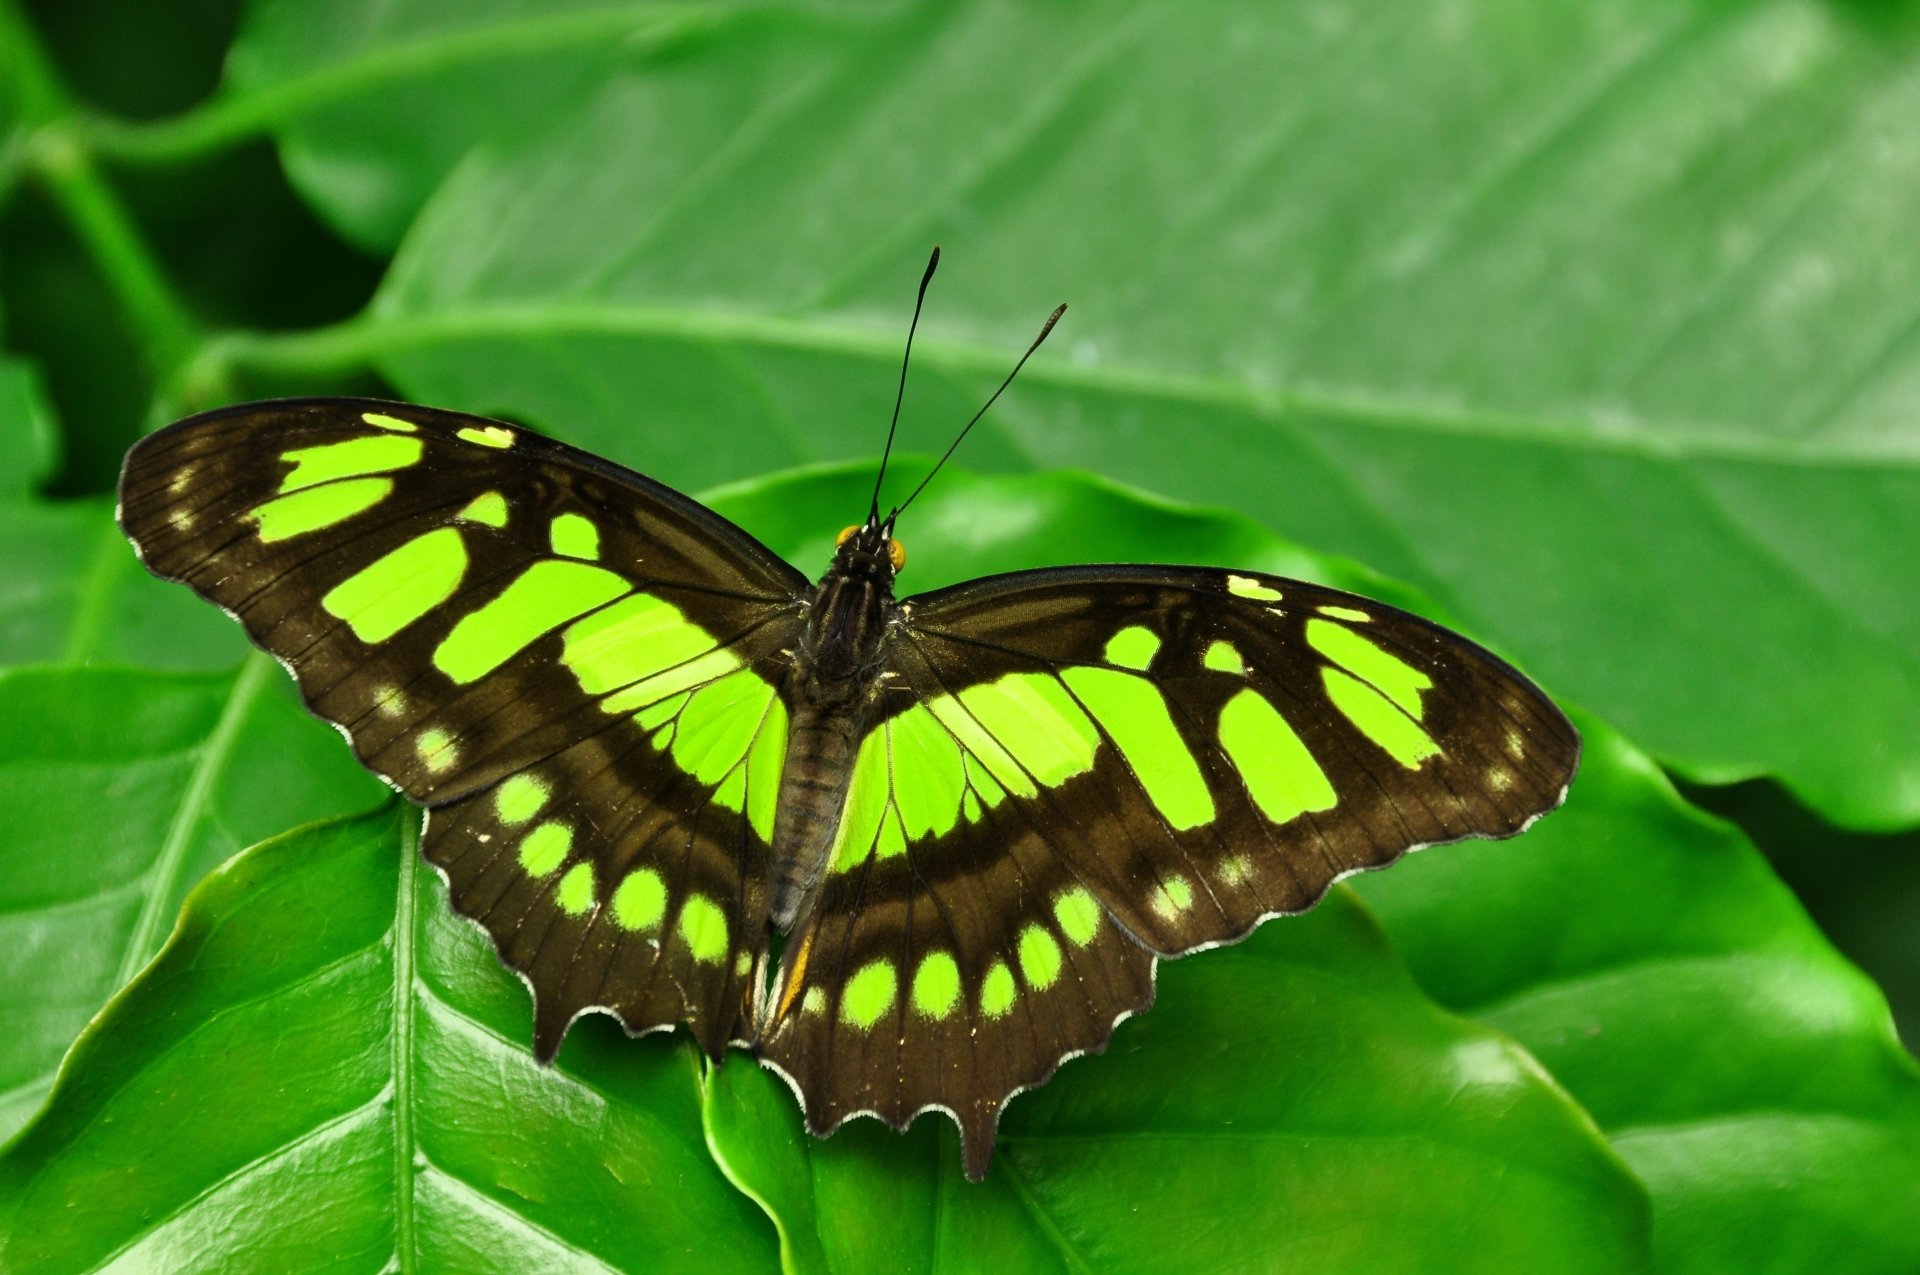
(386, 332)
(162, 878)
(1748, 1116)
(405, 935)
(1043, 1218)
(1561, 983)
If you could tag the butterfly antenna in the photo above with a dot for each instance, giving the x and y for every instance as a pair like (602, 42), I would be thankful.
(873, 509)
(1045, 328)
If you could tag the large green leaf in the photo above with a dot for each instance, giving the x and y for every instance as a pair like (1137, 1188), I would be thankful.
(1594, 322)
(373, 103)
(325, 1070)
(118, 791)
(1646, 955)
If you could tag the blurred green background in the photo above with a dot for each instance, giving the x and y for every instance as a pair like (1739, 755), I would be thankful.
(1597, 328)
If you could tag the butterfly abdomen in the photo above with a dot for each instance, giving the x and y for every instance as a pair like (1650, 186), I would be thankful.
(836, 673)
(813, 793)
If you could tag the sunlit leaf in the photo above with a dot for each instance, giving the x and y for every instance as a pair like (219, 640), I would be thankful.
(324, 1069)
(119, 791)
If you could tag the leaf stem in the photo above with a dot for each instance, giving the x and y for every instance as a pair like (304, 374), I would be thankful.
(86, 639)
(53, 149)
(405, 1006)
(235, 116)
(164, 877)
(342, 347)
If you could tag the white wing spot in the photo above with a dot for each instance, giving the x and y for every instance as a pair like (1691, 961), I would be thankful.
(1236, 870)
(1499, 778)
(1514, 742)
(181, 519)
(436, 751)
(1173, 898)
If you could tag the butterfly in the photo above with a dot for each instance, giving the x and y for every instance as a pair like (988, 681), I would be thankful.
(912, 853)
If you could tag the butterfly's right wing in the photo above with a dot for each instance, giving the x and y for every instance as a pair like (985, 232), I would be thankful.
(576, 669)
(1085, 768)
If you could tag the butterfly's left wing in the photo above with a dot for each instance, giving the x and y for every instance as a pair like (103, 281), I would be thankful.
(576, 669)
(1081, 770)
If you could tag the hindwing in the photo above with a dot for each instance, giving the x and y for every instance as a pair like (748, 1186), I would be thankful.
(1081, 770)
(577, 670)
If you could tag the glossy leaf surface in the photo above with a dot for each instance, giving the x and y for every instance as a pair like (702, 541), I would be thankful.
(324, 1069)
(1649, 959)
(118, 791)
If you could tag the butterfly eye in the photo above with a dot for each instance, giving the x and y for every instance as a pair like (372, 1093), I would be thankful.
(897, 554)
(844, 536)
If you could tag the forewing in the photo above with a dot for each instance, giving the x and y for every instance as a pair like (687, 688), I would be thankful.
(504, 626)
(1112, 763)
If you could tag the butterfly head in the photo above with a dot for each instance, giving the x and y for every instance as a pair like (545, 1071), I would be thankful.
(869, 550)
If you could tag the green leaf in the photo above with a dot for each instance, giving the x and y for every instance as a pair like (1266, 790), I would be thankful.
(1647, 956)
(26, 431)
(74, 593)
(1597, 325)
(118, 791)
(1288, 1103)
(325, 1068)
(374, 103)
(70, 591)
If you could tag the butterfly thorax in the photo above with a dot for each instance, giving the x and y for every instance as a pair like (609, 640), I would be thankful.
(837, 677)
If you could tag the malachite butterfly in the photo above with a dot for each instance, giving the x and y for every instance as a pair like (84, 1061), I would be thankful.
(912, 854)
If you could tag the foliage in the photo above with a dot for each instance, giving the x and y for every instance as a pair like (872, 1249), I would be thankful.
(1593, 325)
